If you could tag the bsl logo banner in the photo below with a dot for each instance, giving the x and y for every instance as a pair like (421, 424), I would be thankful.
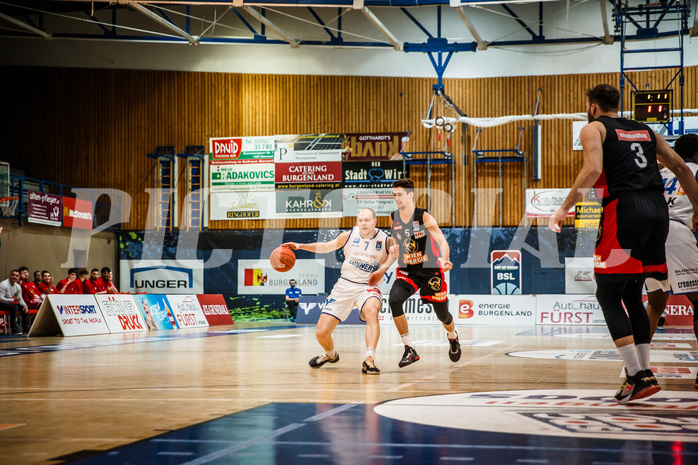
(162, 276)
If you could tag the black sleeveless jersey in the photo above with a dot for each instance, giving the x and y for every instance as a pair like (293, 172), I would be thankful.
(417, 248)
(629, 159)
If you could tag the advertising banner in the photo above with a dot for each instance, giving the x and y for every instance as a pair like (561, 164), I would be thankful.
(416, 312)
(379, 200)
(215, 309)
(374, 174)
(292, 203)
(678, 311)
(579, 275)
(315, 175)
(121, 313)
(243, 205)
(77, 213)
(44, 209)
(544, 202)
(308, 147)
(258, 277)
(187, 311)
(310, 308)
(376, 146)
(162, 276)
(70, 315)
(241, 149)
(156, 311)
(587, 215)
(242, 177)
(568, 310)
(519, 310)
(505, 271)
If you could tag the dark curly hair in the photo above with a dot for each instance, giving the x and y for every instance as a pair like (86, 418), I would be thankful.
(605, 96)
(686, 145)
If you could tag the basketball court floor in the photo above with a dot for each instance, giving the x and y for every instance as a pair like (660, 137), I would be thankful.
(244, 394)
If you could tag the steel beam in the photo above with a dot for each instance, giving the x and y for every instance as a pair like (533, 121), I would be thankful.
(377, 22)
(481, 44)
(26, 26)
(163, 22)
(262, 19)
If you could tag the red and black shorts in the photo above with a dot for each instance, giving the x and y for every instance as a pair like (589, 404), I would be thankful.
(429, 281)
(632, 232)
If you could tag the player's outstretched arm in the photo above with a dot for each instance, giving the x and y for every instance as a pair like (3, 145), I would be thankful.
(592, 142)
(320, 247)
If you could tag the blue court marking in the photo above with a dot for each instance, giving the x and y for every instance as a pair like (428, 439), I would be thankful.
(351, 434)
(136, 340)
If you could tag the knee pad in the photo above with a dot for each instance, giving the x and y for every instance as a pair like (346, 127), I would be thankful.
(441, 310)
(398, 295)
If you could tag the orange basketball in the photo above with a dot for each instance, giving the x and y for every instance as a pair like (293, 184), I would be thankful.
(282, 259)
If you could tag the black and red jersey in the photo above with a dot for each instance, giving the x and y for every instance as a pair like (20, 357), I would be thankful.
(629, 159)
(417, 248)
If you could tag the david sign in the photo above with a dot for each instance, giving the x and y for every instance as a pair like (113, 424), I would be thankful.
(162, 276)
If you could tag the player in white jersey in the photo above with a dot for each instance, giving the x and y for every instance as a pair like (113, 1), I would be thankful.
(681, 250)
(365, 250)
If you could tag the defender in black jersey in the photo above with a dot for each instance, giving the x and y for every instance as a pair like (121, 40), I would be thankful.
(620, 159)
(419, 243)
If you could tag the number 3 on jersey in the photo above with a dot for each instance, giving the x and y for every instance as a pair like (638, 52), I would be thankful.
(640, 154)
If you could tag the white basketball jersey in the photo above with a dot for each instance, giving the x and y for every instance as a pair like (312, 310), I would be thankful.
(363, 256)
(680, 207)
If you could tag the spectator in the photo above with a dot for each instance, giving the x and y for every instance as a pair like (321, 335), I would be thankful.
(79, 283)
(37, 278)
(106, 285)
(11, 299)
(30, 292)
(292, 296)
(64, 283)
(88, 287)
(46, 286)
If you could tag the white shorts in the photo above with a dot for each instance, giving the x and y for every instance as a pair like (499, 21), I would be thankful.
(346, 296)
(681, 260)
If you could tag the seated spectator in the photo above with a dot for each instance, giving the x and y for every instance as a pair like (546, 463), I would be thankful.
(80, 282)
(65, 282)
(106, 285)
(88, 287)
(37, 278)
(11, 299)
(30, 292)
(46, 287)
(293, 294)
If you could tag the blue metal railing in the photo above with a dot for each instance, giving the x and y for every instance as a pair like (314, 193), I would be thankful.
(18, 188)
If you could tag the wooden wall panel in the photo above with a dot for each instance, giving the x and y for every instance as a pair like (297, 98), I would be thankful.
(93, 128)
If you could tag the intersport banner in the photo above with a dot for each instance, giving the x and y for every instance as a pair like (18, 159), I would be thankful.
(71, 315)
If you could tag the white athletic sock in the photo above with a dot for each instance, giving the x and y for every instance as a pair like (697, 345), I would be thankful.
(452, 334)
(406, 339)
(370, 352)
(629, 356)
(331, 353)
(643, 354)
